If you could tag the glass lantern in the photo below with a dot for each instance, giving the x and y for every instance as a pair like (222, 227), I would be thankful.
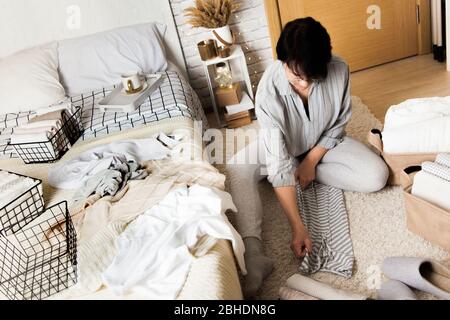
(223, 78)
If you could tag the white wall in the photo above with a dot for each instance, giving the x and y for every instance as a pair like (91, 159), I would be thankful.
(26, 23)
(249, 23)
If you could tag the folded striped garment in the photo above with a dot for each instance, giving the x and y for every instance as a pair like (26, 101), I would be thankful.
(437, 169)
(443, 159)
(324, 213)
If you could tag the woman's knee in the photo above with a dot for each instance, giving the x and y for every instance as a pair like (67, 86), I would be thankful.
(360, 174)
(374, 177)
(370, 172)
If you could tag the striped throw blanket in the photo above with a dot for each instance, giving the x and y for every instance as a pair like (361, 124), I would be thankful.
(324, 214)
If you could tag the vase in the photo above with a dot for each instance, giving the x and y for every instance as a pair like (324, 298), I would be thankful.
(207, 49)
(223, 36)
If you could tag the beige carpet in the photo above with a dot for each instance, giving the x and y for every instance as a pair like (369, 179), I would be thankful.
(377, 224)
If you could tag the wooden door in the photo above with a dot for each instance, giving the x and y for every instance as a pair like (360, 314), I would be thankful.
(364, 32)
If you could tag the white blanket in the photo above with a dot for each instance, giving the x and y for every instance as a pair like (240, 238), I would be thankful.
(418, 126)
(73, 174)
(432, 189)
(154, 252)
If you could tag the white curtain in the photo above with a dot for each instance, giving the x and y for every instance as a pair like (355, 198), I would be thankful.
(436, 22)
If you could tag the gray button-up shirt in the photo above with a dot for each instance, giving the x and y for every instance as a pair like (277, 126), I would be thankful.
(287, 131)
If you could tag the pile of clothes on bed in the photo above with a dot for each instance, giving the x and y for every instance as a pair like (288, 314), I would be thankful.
(143, 212)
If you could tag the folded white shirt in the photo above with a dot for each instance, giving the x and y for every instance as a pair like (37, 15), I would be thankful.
(432, 189)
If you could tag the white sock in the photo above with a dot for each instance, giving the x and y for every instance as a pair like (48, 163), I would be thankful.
(258, 266)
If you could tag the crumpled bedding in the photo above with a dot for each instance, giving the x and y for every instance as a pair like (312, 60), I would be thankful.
(212, 276)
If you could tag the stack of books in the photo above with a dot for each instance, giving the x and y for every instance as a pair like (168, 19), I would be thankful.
(240, 114)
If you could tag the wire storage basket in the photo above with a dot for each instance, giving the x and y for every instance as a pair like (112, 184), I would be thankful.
(57, 145)
(23, 209)
(39, 260)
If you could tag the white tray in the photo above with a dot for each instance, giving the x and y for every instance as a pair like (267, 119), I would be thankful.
(120, 101)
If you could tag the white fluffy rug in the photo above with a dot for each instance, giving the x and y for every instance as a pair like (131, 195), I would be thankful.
(377, 224)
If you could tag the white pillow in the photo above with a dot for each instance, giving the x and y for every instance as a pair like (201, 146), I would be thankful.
(99, 60)
(29, 80)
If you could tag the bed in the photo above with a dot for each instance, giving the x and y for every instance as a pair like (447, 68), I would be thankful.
(175, 106)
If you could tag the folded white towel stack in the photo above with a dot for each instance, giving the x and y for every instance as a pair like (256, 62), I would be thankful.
(415, 111)
(418, 126)
(39, 122)
(13, 187)
(65, 106)
(433, 182)
(25, 131)
(38, 129)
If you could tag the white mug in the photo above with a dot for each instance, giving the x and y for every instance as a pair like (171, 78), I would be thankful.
(132, 82)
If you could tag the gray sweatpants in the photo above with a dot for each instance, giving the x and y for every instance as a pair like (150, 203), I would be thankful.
(350, 166)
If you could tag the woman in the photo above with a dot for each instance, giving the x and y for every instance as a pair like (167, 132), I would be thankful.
(303, 104)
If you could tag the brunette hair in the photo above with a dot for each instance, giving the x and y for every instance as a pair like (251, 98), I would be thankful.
(305, 46)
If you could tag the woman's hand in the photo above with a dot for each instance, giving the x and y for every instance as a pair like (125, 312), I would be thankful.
(305, 173)
(301, 243)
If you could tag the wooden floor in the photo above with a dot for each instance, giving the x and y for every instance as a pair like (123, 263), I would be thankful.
(389, 84)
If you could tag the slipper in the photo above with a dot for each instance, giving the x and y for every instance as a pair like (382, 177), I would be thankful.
(395, 290)
(423, 274)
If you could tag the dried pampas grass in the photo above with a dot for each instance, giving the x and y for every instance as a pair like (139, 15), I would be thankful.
(211, 14)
